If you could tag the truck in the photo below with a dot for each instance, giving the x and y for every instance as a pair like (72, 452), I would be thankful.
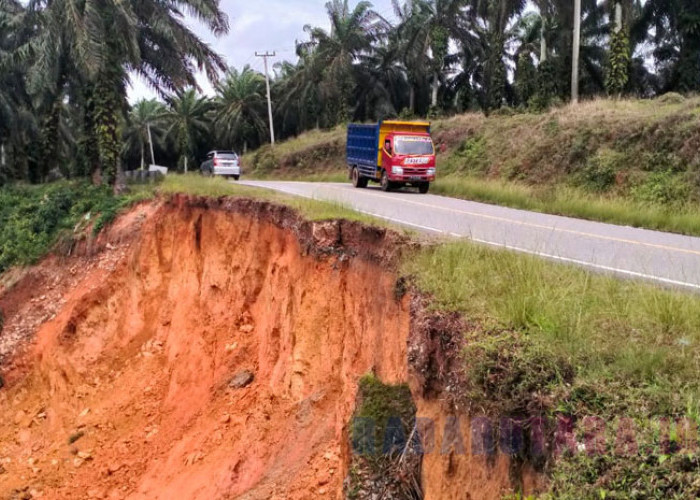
(392, 153)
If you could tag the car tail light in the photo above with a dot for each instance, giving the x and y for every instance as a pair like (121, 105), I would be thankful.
(216, 162)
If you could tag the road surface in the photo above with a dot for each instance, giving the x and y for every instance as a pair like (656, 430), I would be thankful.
(664, 258)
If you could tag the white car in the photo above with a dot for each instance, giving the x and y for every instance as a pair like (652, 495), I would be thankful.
(226, 163)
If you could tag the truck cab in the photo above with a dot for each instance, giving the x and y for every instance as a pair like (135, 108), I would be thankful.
(393, 153)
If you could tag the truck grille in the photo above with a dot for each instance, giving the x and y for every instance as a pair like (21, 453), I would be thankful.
(414, 171)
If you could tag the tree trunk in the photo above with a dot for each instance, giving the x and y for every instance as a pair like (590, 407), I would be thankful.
(412, 99)
(436, 87)
(618, 16)
(543, 41)
(576, 51)
(185, 163)
(143, 161)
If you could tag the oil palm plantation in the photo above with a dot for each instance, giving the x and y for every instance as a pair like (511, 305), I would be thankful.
(144, 129)
(240, 109)
(187, 121)
(102, 41)
(353, 32)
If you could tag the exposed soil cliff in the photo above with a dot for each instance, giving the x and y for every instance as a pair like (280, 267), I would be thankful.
(207, 349)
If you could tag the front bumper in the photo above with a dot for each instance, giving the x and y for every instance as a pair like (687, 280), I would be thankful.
(411, 178)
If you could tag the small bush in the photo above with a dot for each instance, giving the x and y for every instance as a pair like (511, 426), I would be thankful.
(663, 188)
(671, 98)
(473, 156)
(265, 161)
(509, 375)
(601, 170)
(33, 217)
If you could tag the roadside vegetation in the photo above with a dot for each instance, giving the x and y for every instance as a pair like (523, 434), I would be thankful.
(315, 210)
(548, 340)
(34, 218)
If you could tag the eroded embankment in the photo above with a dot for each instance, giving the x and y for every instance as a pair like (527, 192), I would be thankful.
(127, 389)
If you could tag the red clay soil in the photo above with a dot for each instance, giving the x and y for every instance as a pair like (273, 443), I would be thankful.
(121, 357)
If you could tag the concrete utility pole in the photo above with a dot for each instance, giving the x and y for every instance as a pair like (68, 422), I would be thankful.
(269, 99)
(150, 143)
(577, 51)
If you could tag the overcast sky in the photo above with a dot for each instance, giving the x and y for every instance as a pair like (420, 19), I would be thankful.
(261, 25)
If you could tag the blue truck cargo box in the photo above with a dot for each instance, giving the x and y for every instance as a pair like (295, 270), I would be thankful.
(362, 145)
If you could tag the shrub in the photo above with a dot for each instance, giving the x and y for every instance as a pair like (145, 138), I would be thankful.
(601, 170)
(664, 188)
(671, 98)
(472, 155)
(33, 217)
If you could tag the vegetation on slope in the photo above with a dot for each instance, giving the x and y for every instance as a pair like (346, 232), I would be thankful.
(33, 218)
(553, 340)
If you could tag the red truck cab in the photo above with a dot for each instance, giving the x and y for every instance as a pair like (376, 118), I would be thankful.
(408, 158)
(393, 153)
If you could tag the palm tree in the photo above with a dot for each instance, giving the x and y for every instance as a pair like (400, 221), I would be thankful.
(352, 34)
(144, 128)
(239, 109)
(104, 40)
(675, 29)
(427, 26)
(188, 122)
(18, 125)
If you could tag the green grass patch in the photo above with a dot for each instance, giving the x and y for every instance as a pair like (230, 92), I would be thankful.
(315, 210)
(33, 218)
(683, 218)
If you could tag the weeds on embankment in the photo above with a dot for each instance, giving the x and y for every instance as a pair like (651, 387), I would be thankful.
(556, 340)
(33, 218)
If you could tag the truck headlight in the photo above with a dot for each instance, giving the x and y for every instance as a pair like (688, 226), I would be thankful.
(397, 170)
(431, 171)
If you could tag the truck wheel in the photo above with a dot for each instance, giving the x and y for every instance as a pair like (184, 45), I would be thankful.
(385, 183)
(357, 180)
(423, 187)
(236, 177)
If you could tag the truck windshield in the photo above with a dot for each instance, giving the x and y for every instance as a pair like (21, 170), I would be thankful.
(414, 146)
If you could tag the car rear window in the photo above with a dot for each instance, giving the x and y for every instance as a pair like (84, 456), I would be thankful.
(227, 156)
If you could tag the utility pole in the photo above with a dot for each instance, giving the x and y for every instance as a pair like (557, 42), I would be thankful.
(577, 51)
(269, 99)
(150, 142)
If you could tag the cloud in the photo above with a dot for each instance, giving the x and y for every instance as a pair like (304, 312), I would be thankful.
(259, 25)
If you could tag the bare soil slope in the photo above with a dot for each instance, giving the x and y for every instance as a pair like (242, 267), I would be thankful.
(209, 349)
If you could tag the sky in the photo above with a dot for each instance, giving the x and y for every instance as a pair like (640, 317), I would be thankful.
(260, 25)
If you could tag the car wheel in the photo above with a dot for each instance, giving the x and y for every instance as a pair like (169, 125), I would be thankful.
(385, 183)
(236, 177)
(424, 187)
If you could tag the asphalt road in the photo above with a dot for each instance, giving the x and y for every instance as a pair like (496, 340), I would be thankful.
(664, 258)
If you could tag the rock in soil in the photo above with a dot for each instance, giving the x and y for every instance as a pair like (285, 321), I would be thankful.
(242, 379)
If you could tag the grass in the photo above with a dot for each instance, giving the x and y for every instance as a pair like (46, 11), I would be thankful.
(573, 202)
(547, 339)
(609, 329)
(315, 210)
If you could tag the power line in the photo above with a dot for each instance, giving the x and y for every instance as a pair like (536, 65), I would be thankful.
(269, 99)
